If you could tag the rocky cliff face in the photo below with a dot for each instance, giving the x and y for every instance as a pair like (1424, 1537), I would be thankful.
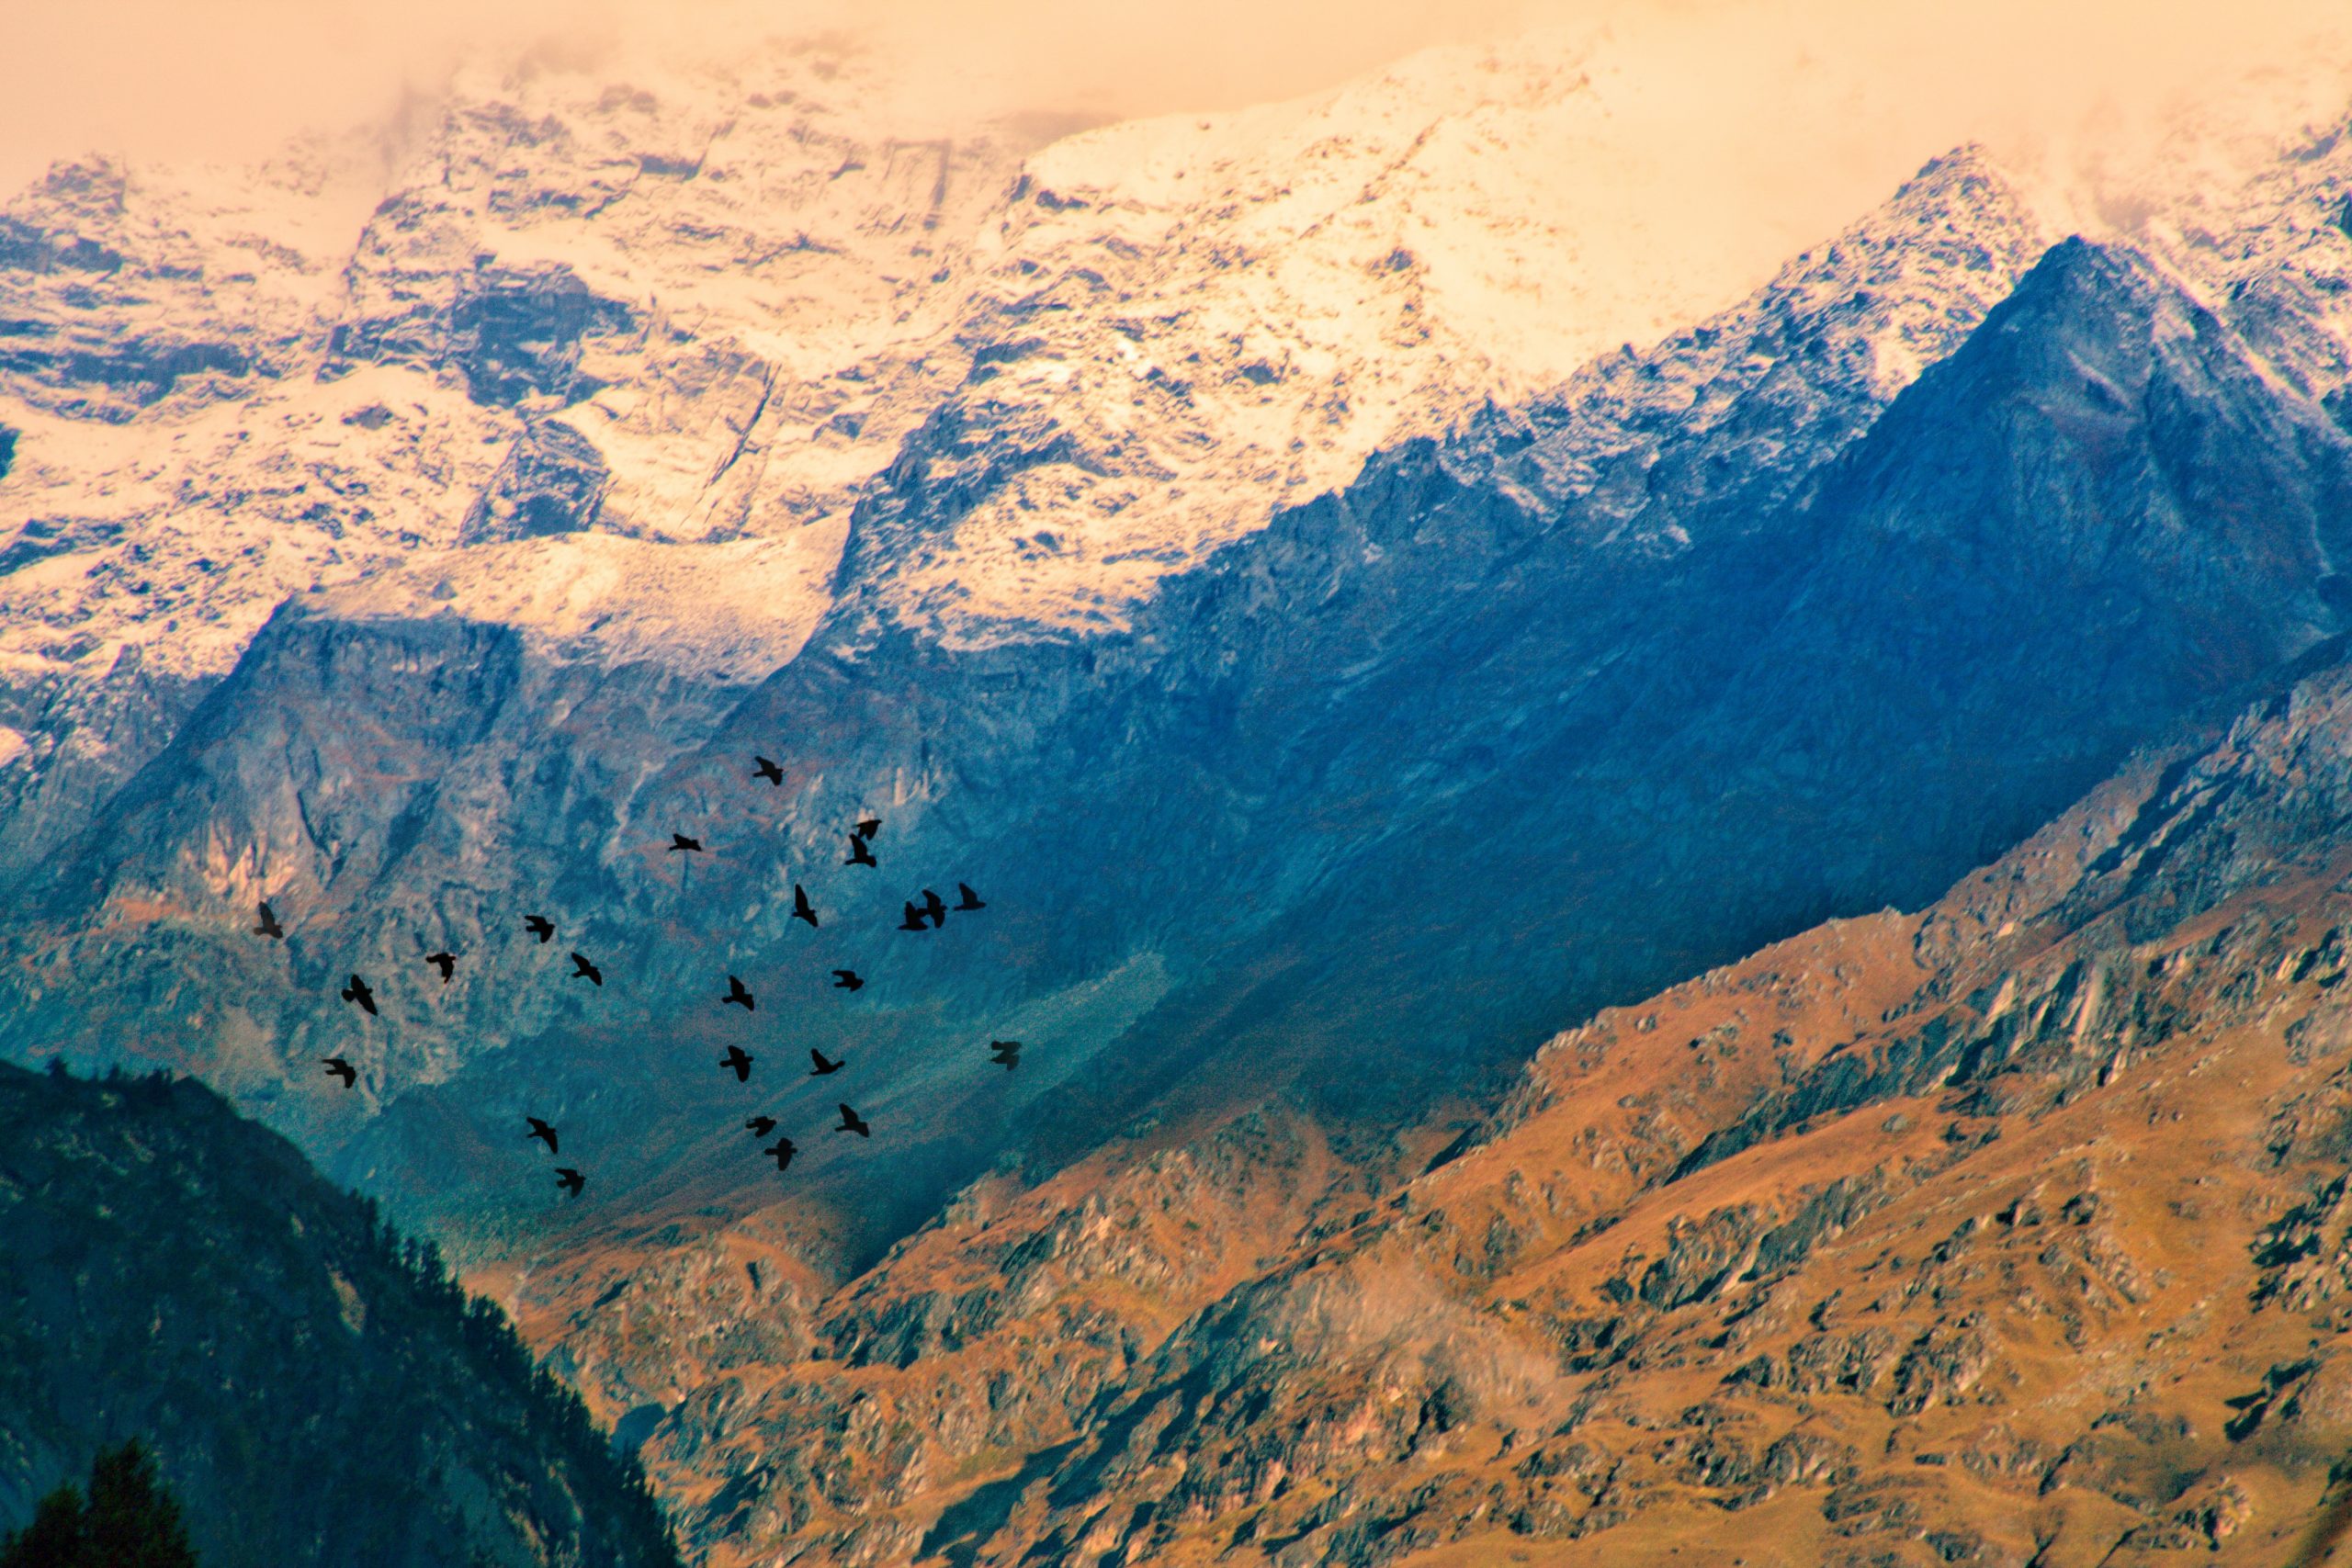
(1628, 630)
(1332, 683)
(976, 753)
(315, 1389)
(2005, 1232)
(227, 386)
(711, 301)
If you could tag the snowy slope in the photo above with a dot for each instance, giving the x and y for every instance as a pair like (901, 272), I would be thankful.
(667, 271)
(711, 300)
(550, 303)
(725, 613)
(421, 756)
(1358, 581)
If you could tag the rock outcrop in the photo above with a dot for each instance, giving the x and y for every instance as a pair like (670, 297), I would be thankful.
(1337, 672)
(2002, 1232)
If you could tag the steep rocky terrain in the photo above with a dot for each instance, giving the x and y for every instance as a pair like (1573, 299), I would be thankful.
(228, 385)
(1631, 629)
(568, 665)
(316, 1391)
(1350, 623)
(501, 804)
(2011, 1231)
(688, 303)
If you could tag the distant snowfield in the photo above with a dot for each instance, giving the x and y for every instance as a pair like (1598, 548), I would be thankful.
(1115, 351)
(729, 613)
(197, 520)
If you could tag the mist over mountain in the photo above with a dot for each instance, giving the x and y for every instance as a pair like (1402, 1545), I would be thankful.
(1360, 586)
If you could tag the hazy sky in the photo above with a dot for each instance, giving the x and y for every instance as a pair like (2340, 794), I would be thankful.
(230, 77)
(233, 76)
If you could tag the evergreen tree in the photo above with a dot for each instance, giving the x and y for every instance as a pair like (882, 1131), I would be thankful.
(134, 1522)
(130, 1521)
(56, 1539)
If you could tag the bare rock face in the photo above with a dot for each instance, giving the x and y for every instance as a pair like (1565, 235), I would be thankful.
(554, 481)
(1334, 680)
(1652, 609)
(1997, 1230)
(513, 334)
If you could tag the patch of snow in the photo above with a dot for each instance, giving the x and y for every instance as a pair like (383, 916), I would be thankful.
(1252, 303)
(183, 530)
(1043, 373)
(729, 612)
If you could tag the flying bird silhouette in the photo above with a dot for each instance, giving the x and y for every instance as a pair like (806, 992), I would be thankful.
(680, 842)
(444, 961)
(583, 970)
(913, 922)
(767, 770)
(540, 926)
(741, 1063)
(800, 909)
(932, 906)
(847, 980)
(269, 926)
(860, 853)
(819, 1066)
(868, 827)
(1005, 1053)
(339, 1068)
(760, 1126)
(360, 996)
(783, 1149)
(971, 900)
(542, 1132)
(850, 1122)
(736, 993)
(570, 1180)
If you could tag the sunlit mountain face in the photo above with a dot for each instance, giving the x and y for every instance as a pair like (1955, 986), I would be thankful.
(1565, 802)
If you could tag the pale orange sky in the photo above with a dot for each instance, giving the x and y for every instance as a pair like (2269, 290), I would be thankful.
(212, 78)
(231, 77)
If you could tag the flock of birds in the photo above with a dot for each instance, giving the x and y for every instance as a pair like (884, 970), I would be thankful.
(928, 915)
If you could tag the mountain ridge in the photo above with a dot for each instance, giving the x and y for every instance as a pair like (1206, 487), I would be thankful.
(316, 1388)
(1856, 1250)
(1331, 693)
(1029, 688)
